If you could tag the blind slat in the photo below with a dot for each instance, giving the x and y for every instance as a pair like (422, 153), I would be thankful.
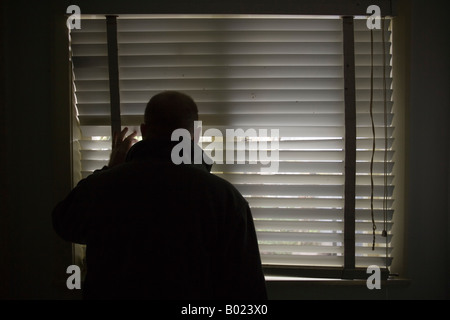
(232, 72)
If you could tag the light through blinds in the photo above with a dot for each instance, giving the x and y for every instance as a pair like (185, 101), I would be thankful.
(256, 73)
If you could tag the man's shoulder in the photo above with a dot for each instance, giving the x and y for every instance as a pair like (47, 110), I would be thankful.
(196, 180)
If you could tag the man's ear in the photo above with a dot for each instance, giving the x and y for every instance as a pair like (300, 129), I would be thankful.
(144, 130)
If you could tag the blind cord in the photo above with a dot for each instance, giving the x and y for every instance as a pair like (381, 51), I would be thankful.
(385, 133)
(374, 227)
(385, 195)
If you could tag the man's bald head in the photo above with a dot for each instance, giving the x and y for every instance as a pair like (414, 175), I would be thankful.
(168, 111)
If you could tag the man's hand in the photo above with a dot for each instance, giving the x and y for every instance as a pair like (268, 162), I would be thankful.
(120, 147)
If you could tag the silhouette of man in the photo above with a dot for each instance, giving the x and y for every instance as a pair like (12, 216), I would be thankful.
(156, 230)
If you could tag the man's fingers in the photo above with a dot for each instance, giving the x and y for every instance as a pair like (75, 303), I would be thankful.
(130, 140)
(119, 137)
(121, 146)
(114, 141)
(131, 136)
(123, 133)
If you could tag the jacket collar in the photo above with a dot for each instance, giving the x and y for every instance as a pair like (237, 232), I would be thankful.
(155, 149)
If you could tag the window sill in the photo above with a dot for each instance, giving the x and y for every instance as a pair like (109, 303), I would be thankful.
(333, 282)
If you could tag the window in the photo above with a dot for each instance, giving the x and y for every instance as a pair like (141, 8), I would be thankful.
(262, 72)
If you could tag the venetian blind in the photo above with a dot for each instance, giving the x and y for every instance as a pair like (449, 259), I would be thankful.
(254, 73)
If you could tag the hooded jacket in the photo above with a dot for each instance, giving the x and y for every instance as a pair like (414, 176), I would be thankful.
(156, 230)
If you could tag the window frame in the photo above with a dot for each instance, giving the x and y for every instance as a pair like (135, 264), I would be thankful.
(346, 10)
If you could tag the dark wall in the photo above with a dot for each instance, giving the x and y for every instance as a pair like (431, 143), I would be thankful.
(35, 142)
(35, 155)
(427, 220)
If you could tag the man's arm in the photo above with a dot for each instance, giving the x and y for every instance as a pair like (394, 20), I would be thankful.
(253, 280)
(243, 274)
(72, 217)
